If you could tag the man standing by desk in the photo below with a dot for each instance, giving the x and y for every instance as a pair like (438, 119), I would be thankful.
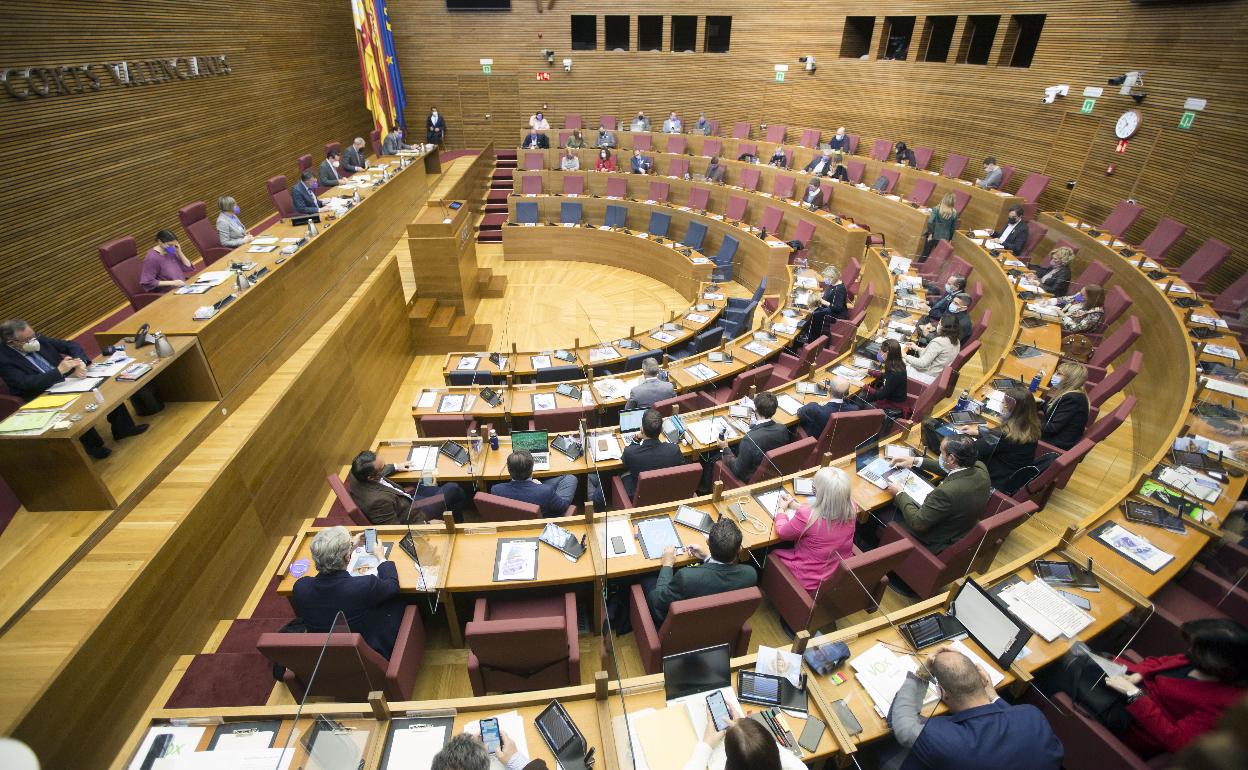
(31, 363)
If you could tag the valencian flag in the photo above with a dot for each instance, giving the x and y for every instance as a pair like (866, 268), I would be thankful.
(379, 67)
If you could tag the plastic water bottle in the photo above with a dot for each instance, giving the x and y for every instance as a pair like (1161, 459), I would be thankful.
(474, 441)
(493, 439)
(963, 400)
(1034, 385)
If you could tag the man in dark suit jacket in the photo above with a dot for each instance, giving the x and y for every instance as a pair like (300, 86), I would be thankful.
(353, 158)
(328, 176)
(1013, 237)
(714, 171)
(369, 603)
(813, 417)
(536, 141)
(385, 502)
(718, 572)
(960, 310)
(813, 197)
(953, 507)
(31, 363)
(553, 496)
(302, 197)
(820, 165)
(762, 438)
(649, 454)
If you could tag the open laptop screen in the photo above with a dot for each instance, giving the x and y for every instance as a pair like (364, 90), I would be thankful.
(689, 673)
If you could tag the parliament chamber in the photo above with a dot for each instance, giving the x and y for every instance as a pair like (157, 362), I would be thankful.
(466, 384)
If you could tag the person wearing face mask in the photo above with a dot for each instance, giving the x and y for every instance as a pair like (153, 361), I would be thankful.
(328, 174)
(889, 389)
(385, 502)
(813, 417)
(576, 141)
(435, 128)
(820, 165)
(535, 141)
(538, 122)
(703, 126)
(714, 171)
(606, 161)
(953, 285)
(570, 161)
(1007, 449)
(1064, 413)
(31, 363)
(302, 196)
(813, 197)
(831, 306)
(839, 141)
(641, 122)
(940, 225)
(839, 173)
(353, 159)
(640, 164)
(606, 139)
(959, 309)
(778, 158)
(904, 155)
(394, 142)
(672, 125)
(953, 507)
(1013, 237)
(230, 229)
(165, 267)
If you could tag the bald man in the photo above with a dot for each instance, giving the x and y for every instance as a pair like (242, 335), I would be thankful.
(980, 732)
(813, 417)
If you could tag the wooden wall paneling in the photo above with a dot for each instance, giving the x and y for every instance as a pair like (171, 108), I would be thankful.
(122, 160)
(1067, 158)
(474, 106)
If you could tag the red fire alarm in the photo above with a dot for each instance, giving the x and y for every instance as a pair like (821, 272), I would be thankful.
(1111, 169)
(1122, 146)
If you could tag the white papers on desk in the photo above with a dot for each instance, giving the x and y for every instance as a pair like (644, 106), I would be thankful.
(413, 748)
(1221, 386)
(1135, 547)
(881, 672)
(921, 377)
(911, 282)
(264, 240)
(850, 373)
(777, 662)
(517, 561)
(1011, 262)
(539, 362)
(1222, 351)
(788, 403)
(427, 399)
(362, 563)
(193, 288)
(757, 348)
(291, 240)
(789, 329)
(700, 372)
(422, 457)
(468, 363)
(698, 318)
(1207, 320)
(618, 527)
(981, 233)
(510, 723)
(770, 501)
(110, 366)
(247, 759)
(185, 740)
(1048, 311)
(605, 353)
(1044, 610)
(707, 431)
(451, 403)
(233, 741)
(994, 676)
(900, 326)
(991, 244)
(610, 388)
(912, 485)
(543, 402)
(994, 400)
(1175, 288)
(605, 446)
(1026, 284)
(1190, 482)
(802, 299)
(213, 277)
(700, 260)
(76, 385)
(663, 337)
(899, 265)
(260, 249)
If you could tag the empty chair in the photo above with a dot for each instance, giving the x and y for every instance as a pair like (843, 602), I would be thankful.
(470, 377)
(922, 157)
(526, 212)
(659, 224)
(121, 259)
(531, 184)
(572, 122)
(714, 126)
(840, 594)
(374, 141)
(712, 147)
(203, 233)
(846, 430)
(685, 403)
(852, 144)
(1230, 301)
(855, 169)
(1055, 474)
(643, 142)
(617, 187)
(740, 130)
(692, 624)
(1032, 187)
(954, 166)
(960, 199)
(782, 186)
(346, 512)
(702, 342)
(533, 161)
(741, 384)
(772, 217)
(881, 149)
(663, 485)
(1035, 234)
(1115, 380)
(723, 258)
(519, 644)
(790, 367)
(927, 397)
(810, 138)
(781, 461)
(1094, 272)
(676, 145)
(698, 198)
(658, 192)
(280, 196)
(557, 373)
(445, 425)
(735, 208)
(1162, 238)
(775, 134)
(679, 168)
(345, 667)
(926, 573)
(891, 176)
(563, 138)
(804, 233)
(607, 122)
(749, 178)
(303, 162)
(694, 236)
(964, 354)
(1007, 173)
(616, 216)
(573, 184)
(850, 273)
(738, 302)
(1198, 267)
(921, 192)
(1121, 219)
(570, 213)
(499, 508)
(558, 420)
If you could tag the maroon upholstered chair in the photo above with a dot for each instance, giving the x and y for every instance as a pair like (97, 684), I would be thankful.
(1089, 744)
(349, 669)
(1121, 219)
(1007, 173)
(677, 145)
(740, 130)
(1198, 267)
(335, 146)
(854, 169)
(516, 645)
(749, 178)
(775, 134)
(499, 508)
(557, 420)
(1101, 429)
(1094, 272)
(679, 167)
(1030, 191)
(960, 199)
(921, 405)
(891, 175)
(964, 354)
(1231, 300)
(1112, 346)
(790, 367)
(533, 161)
(922, 157)
(607, 122)
(572, 121)
(781, 461)
(712, 147)
(121, 259)
(921, 192)
(1162, 238)
(563, 138)
(714, 126)
(783, 186)
(658, 486)
(344, 511)
(852, 143)
(531, 184)
(692, 624)
(1041, 487)
(1116, 380)
(1035, 234)
(698, 198)
(617, 187)
(810, 138)
(280, 196)
(846, 430)
(926, 573)
(574, 184)
(688, 402)
(881, 149)
(304, 162)
(643, 142)
(772, 216)
(658, 191)
(980, 326)
(936, 260)
(446, 425)
(374, 141)
(840, 594)
(954, 166)
(194, 219)
(734, 210)
(740, 387)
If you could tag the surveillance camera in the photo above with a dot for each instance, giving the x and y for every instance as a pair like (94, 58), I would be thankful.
(1048, 98)
(810, 63)
(567, 65)
(1139, 96)
(1117, 81)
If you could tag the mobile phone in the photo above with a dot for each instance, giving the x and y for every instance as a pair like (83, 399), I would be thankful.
(811, 734)
(370, 539)
(736, 510)
(1076, 600)
(490, 736)
(719, 710)
(617, 544)
(847, 718)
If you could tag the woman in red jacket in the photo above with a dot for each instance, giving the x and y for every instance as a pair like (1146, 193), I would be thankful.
(606, 161)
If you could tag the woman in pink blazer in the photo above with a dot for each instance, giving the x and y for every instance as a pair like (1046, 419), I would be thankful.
(822, 534)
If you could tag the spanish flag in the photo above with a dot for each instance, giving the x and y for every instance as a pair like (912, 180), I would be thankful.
(379, 69)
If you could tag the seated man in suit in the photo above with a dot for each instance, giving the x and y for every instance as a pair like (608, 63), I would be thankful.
(703, 126)
(302, 197)
(813, 197)
(31, 363)
(353, 158)
(954, 285)
(535, 141)
(328, 174)
(553, 496)
(653, 387)
(394, 142)
(762, 438)
(820, 165)
(1013, 237)
(370, 603)
(779, 158)
(640, 164)
(960, 309)
(641, 122)
(813, 417)
(672, 125)
(385, 502)
(605, 138)
(648, 454)
(992, 175)
(839, 141)
(980, 732)
(957, 502)
(714, 171)
(719, 571)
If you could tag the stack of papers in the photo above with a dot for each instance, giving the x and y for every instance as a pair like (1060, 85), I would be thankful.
(1229, 388)
(700, 372)
(427, 399)
(1223, 351)
(1217, 323)
(468, 363)
(1049, 311)
(777, 662)
(605, 446)
(912, 485)
(605, 353)
(213, 277)
(450, 403)
(76, 385)
(698, 318)
(881, 672)
(1190, 482)
(898, 265)
(59, 401)
(539, 362)
(849, 372)
(663, 336)
(610, 388)
(29, 421)
(1134, 547)
(111, 366)
(757, 348)
(788, 403)
(544, 401)
(1044, 610)
(264, 240)
(620, 528)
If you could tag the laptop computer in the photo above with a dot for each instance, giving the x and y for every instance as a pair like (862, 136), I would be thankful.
(696, 671)
(630, 420)
(537, 442)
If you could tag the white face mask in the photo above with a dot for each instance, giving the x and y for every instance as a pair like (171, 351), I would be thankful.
(30, 346)
(435, 114)
(1056, 381)
(335, 163)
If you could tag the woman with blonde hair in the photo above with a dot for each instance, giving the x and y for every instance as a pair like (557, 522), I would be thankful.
(822, 534)
(832, 305)
(838, 172)
(1012, 446)
(1064, 414)
(1055, 279)
(940, 225)
(1083, 312)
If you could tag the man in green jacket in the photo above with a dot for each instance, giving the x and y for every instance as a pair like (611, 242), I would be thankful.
(953, 507)
(718, 572)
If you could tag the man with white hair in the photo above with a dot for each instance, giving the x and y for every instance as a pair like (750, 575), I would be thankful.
(652, 388)
(369, 603)
(353, 158)
(813, 417)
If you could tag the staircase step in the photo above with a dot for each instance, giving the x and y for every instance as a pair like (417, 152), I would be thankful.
(509, 163)
(502, 173)
(505, 154)
(497, 196)
(493, 221)
(490, 236)
(422, 309)
(479, 339)
(496, 288)
(442, 318)
(502, 184)
(461, 328)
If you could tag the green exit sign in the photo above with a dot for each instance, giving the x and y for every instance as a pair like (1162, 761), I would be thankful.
(1187, 119)
(1088, 104)
(779, 77)
(485, 69)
